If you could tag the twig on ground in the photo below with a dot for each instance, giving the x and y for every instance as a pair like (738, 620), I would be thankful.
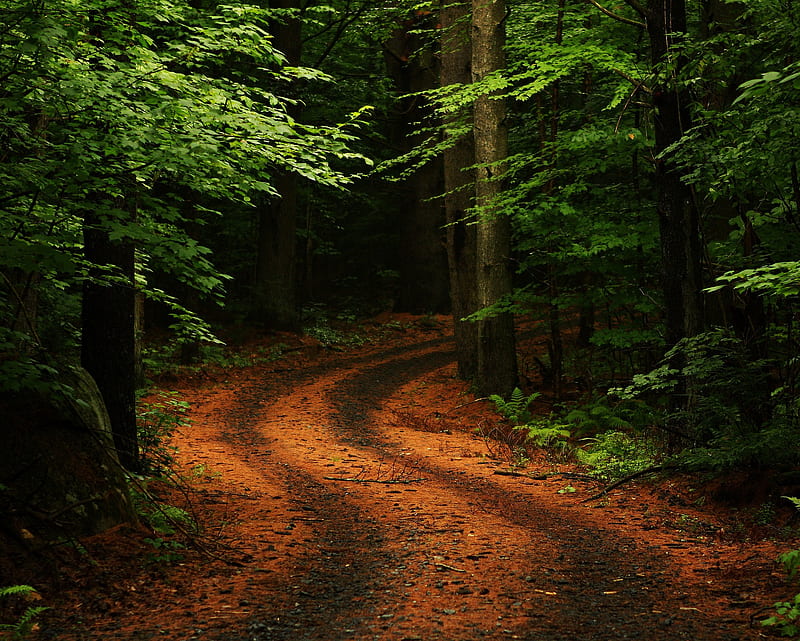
(626, 479)
(385, 481)
(477, 400)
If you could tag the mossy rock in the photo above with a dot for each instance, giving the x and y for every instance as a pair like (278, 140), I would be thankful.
(58, 466)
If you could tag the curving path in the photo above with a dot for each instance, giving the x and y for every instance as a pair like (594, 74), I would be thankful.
(357, 511)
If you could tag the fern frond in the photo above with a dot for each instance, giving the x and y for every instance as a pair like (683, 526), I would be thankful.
(12, 590)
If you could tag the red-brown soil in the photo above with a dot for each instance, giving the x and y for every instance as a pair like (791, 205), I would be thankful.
(345, 495)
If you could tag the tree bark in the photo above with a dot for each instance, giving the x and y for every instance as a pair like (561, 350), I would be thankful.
(681, 245)
(414, 68)
(276, 292)
(497, 365)
(459, 185)
(108, 336)
(275, 299)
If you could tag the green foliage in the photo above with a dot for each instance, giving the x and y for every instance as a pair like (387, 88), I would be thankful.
(730, 416)
(787, 613)
(23, 626)
(162, 360)
(602, 414)
(546, 434)
(157, 420)
(791, 563)
(151, 120)
(166, 552)
(614, 455)
(516, 408)
(163, 519)
(786, 619)
(772, 281)
(331, 337)
(332, 329)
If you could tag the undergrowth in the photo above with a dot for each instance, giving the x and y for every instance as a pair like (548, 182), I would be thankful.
(158, 418)
(166, 359)
(606, 436)
(25, 623)
(786, 620)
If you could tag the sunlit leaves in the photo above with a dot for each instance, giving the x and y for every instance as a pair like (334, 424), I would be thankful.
(142, 112)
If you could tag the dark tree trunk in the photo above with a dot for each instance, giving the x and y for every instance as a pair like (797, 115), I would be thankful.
(276, 293)
(414, 67)
(275, 299)
(108, 333)
(497, 363)
(459, 187)
(681, 245)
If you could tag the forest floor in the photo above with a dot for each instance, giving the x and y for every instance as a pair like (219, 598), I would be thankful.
(348, 494)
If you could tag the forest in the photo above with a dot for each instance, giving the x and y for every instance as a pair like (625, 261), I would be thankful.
(596, 199)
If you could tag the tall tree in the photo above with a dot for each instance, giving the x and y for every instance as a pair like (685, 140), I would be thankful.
(496, 350)
(681, 244)
(275, 300)
(459, 183)
(108, 339)
(415, 68)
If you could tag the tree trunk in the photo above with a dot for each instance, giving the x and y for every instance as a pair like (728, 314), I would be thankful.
(275, 299)
(276, 295)
(459, 187)
(414, 68)
(497, 364)
(681, 246)
(108, 333)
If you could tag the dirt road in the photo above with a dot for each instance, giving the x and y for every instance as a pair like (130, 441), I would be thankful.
(359, 504)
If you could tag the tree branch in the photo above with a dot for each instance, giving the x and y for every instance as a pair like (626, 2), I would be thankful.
(638, 84)
(620, 18)
(639, 8)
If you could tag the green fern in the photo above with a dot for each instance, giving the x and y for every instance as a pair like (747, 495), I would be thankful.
(23, 626)
(15, 590)
(546, 434)
(795, 501)
(515, 409)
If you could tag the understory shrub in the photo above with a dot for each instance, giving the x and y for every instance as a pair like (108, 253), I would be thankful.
(786, 619)
(157, 419)
(734, 413)
(614, 455)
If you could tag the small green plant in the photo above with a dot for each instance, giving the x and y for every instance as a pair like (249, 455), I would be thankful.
(157, 420)
(791, 563)
(168, 519)
(786, 619)
(24, 625)
(546, 433)
(786, 616)
(332, 337)
(516, 408)
(166, 552)
(614, 455)
(603, 414)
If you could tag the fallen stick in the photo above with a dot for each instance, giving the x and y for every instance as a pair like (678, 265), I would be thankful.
(387, 482)
(622, 481)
